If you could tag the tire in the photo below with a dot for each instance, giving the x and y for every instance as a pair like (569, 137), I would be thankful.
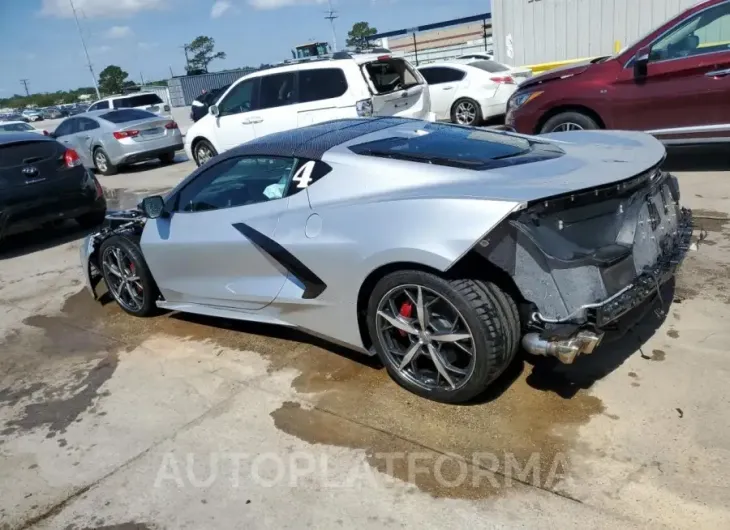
(203, 152)
(102, 163)
(167, 158)
(91, 219)
(488, 315)
(569, 121)
(144, 286)
(460, 115)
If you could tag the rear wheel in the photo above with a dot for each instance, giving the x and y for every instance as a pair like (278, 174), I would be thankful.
(167, 158)
(203, 152)
(466, 112)
(127, 276)
(103, 164)
(445, 340)
(569, 121)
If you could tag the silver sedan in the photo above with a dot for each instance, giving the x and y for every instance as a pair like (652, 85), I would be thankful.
(105, 140)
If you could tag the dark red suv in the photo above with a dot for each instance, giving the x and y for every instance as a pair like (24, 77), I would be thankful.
(674, 83)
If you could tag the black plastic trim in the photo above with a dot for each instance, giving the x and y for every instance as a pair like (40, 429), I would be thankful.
(313, 284)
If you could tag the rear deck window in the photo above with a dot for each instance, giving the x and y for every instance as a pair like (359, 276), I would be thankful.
(455, 146)
(122, 116)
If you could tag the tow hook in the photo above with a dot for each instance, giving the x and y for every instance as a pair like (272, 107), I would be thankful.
(564, 350)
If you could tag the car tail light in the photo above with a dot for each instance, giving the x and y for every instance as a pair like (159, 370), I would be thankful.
(99, 189)
(364, 108)
(45, 133)
(125, 134)
(71, 158)
(503, 79)
(383, 57)
(171, 125)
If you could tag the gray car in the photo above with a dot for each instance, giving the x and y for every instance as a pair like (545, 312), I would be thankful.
(108, 139)
(440, 248)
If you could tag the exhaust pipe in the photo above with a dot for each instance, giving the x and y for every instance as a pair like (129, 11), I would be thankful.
(564, 350)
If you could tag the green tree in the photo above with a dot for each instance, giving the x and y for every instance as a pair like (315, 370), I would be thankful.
(202, 54)
(111, 79)
(357, 37)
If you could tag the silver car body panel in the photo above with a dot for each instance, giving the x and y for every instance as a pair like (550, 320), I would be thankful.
(369, 213)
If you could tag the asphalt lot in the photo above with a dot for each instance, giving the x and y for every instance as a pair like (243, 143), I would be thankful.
(107, 421)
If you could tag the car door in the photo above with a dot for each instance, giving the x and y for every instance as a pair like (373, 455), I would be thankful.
(686, 91)
(322, 96)
(277, 106)
(66, 133)
(234, 125)
(212, 248)
(443, 83)
(84, 139)
(398, 89)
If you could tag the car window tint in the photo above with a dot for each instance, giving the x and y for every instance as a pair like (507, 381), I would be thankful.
(239, 99)
(101, 105)
(490, 66)
(389, 75)
(142, 100)
(237, 182)
(706, 32)
(322, 83)
(440, 74)
(125, 115)
(276, 90)
(87, 124)
(67, 127)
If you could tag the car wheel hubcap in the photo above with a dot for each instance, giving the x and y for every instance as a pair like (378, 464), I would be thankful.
(425, 338)
(466, 113)
(204, 154)
(568, 126)
(122, 278)
(100, 162)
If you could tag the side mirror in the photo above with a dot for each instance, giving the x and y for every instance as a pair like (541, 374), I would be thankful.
(641, 62)
(154, 207)
(213, 109)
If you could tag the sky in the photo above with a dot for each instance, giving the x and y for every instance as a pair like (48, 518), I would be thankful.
(39, 40)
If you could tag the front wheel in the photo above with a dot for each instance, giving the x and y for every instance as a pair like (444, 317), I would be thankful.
(203, 152)
(445, 340)
(127, 276)
(569, 121)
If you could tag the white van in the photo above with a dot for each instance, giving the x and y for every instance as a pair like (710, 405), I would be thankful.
(148, 101)
(306, 92)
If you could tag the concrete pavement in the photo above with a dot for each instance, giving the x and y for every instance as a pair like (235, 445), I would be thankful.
(107, 421)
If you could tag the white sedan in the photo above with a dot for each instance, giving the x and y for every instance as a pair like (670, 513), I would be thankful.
(19, 126)
(469, 93)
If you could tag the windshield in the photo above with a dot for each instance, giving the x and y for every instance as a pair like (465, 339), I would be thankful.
(15, 127)
(141, 100)
(447, 145)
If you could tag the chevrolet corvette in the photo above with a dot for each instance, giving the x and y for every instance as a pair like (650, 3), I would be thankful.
(440, 248)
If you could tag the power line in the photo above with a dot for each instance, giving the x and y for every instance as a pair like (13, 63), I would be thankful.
(331, 16)
(25, 84)
(83, 43)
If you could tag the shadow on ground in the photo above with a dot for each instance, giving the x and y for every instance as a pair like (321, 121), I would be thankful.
(41, 239)
(697, 159)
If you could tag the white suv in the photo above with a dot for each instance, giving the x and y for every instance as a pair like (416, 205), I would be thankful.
(148, 101)
(307, 92)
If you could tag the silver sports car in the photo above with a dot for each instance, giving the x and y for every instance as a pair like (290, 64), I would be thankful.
(439, 248)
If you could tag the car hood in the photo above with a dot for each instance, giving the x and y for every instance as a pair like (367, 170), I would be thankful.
(592, 159)
(558, 73)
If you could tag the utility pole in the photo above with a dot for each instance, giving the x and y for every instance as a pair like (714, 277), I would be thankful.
(171, 74)
(141, 76)
(331, 16)
(25, 84)
(83, 43)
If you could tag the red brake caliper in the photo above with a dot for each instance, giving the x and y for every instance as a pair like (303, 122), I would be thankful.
(406, 310)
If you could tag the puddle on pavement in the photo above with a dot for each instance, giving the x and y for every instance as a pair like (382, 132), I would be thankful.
(711, 220)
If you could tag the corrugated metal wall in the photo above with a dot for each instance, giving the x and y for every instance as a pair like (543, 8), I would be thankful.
(553, 30)
(183, 90)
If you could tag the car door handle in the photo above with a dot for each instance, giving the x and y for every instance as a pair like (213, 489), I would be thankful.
(718, 73)
(87, 137)
(448, 88)
(254, 119)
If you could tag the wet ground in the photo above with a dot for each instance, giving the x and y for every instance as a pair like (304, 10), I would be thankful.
(177, 421)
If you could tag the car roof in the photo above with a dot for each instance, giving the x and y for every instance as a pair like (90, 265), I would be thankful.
(16, 137)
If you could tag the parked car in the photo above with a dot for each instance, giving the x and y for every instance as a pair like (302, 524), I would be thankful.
(200, 105)
(475, 57)
(148, 101)
(13, 116)
(438, 247)
(51, 113)
(108, 139)
(20, 126)
(672, 83)
(32, 115)
(343, 85)
(43, 182)
(466, 94)
(519, 74)
(76, 109)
